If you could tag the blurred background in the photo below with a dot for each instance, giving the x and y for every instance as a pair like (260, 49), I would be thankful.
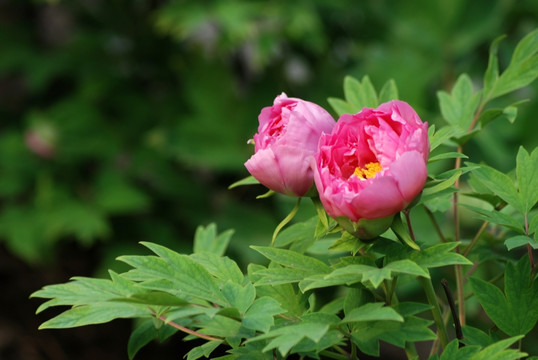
(126, 121)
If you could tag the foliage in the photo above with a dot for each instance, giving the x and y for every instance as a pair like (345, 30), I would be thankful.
(322, 293)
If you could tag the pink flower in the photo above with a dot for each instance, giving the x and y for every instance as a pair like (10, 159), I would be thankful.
(373, 164)
(287, 139)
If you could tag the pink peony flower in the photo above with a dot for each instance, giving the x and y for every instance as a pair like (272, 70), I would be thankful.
(287, 139)
(373, 164)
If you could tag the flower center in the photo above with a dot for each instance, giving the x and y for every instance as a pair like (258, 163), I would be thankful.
(368, 171)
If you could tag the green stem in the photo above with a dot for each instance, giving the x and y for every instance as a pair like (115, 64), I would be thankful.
(475, 239)
(436, 310)
(411, 351)
(286, 220)
(435, 224)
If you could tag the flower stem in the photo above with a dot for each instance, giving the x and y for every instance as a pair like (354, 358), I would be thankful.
(436, 310)
(187, 330)
(435, 224)
(475, 239)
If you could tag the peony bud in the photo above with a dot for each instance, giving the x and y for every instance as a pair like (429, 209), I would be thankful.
(287, 139)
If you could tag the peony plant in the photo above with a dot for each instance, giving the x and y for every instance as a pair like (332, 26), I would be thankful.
(357, 275)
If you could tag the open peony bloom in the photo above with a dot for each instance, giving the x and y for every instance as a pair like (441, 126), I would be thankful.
(287, 139)
(373, 164)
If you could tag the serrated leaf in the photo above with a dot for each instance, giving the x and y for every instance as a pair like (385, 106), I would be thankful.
(516, 311)
(204, 350)
(176, 273)
(501, 185)
(207, 240)
(145, 333)
(95, 313)
(340, 106)
(239, 296)
(360, 94)
(388, 92)
(527, 177)
(222, 268)
(439, 255)
(459, 107)
(260, 316)
(284, 338)
(444, 134)
(293, 259)
(500, 351)
(82, 291)
(220, 326)
(278, 276)
(520, 240)
(372, 312)
(498, 217)
(522, 70)
(153, 298)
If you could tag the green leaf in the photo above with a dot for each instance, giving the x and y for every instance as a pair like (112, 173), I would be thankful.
(207, 240)
(82, 291)
(175, 273)
(474, 336)
(260, 316)
(286, 337)
(238, 296)
(152, 298)
(439, 255)
(459, 107)
(447, 155)
(498, 217)
(360, 94)
(249, 180)
(516, 311)
(204, 350)
(522, 70)
(278, 276)
(95, 313)
(341, 107)
(388, 92)
(500, 351)
(402, 232)
(501, 185)
(218, 325)
(365, 274)
(444, 134)
(527, 177)
(222, 268)
(520, 240)
(146, 332)
(293, 259)
(372, 312)
(492, 72)
(435, 188)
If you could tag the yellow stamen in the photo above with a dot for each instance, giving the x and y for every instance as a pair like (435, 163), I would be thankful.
(369, 171)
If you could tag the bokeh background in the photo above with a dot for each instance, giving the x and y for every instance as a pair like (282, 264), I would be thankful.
(125, 121)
